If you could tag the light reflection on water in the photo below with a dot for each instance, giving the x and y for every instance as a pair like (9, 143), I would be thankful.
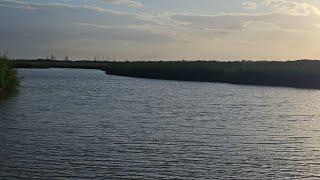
(85, 124)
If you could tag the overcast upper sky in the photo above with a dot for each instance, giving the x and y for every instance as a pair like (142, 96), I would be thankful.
(161, 29)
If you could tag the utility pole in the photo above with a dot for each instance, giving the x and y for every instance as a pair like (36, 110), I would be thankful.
(66, 58)
(52, 57)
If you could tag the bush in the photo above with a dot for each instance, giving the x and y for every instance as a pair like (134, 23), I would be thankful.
(8, 76)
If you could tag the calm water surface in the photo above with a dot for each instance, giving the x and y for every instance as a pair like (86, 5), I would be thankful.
(83, 124)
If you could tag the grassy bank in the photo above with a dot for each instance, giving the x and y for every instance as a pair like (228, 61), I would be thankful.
(9, 81)
(299, 74)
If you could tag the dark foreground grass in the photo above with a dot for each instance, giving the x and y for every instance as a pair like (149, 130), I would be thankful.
(9, 81)
(298, 74)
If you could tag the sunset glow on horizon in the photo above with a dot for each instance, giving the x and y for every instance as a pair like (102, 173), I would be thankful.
(161, 30)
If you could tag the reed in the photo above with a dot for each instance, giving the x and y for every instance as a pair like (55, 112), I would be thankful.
(9, 81)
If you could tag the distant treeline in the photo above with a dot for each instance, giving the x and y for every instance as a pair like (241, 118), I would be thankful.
(299, 74)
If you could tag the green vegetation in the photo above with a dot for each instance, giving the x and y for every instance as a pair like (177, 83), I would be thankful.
(9, 81)
(299, 74)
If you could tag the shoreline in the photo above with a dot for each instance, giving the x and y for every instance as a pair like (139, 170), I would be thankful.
(303, 74)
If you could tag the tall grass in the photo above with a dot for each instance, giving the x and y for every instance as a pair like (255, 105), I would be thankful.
(9, 81)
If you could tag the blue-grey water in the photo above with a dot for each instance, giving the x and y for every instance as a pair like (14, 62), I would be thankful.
(84, 124)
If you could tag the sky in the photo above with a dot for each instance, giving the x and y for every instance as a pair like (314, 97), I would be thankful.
(161, 29)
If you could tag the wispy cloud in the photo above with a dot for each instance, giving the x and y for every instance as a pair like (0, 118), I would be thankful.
(249, 5)
(90, 27)
(129, 3)
(33, 5)
(293, 7)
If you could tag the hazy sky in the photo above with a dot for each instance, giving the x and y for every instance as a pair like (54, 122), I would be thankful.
(161, 29)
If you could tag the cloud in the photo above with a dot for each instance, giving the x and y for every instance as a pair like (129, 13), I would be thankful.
(260, 26)
(293, 7)
(34, 6)
(129, 3)
(86, 29)
(17, 4)
(249, 5)
(238, 22)
(162, 19)
(56, 28)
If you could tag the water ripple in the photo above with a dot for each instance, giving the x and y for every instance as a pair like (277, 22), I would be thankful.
(83, 124)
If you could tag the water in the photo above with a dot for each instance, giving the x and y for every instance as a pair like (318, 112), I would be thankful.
(83, 124)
